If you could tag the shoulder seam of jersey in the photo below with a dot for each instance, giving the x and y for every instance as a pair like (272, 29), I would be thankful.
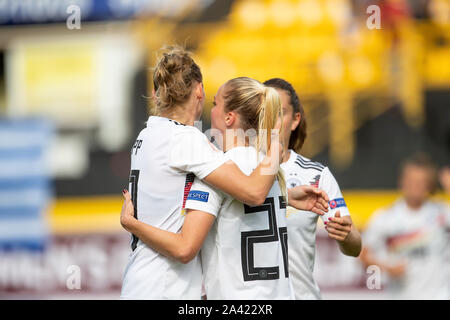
(309, 164)
(308, 167)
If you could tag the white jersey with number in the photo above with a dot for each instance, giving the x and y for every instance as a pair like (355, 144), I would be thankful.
(164, 160)
(299, 170)
(244, 254)
(418, 238)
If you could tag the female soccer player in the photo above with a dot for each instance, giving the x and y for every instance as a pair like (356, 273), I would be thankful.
(409, 240)
(301, 225)
(165, 158)
(245, 255)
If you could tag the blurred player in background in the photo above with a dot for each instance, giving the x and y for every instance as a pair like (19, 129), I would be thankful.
(166, 157)
(245, 254)
(444, 179)
(299, 170)
(409, 241)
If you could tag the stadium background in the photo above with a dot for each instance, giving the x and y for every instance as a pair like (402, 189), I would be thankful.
(73, 100)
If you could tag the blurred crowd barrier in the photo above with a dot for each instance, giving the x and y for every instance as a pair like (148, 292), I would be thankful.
(85, 233)
(25, 188)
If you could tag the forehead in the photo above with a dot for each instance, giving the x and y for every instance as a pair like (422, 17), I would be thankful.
(416, 170)
(285, 97)
(219, 94)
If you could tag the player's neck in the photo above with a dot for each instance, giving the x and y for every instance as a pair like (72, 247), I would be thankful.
(236, 143)
(189, 121)
(181, 117)
(286, 155)
(414, 205)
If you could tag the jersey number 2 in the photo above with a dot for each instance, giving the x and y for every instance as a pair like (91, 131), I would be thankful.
(133, 189)
(250, 238)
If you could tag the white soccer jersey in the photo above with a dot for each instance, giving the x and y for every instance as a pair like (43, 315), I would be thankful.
(299, 170)
(418, 238)
(164, 160)
(245, 253)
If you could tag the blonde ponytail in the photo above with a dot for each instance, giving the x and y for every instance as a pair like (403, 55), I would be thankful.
(269, 113)
(259, 108)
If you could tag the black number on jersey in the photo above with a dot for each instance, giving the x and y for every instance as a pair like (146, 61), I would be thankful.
(133, 189)
(284, 241)
(249, 238)
(284, 247)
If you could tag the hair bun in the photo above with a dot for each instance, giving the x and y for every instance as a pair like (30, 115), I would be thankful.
(174, 77)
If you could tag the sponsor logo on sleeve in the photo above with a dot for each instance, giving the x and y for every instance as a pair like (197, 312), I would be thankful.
(337, 203)
(198, 195)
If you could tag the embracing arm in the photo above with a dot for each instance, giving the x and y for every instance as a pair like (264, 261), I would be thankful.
(252, 189)
(182, 246)
(207, 163)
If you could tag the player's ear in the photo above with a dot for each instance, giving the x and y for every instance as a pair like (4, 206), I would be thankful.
(230, 118)
(154, 96)
(199, 92)
(296, 121)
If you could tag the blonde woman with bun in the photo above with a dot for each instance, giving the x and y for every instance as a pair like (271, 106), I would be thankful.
(245, 254)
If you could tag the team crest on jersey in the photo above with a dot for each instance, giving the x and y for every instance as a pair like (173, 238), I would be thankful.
(293, 182)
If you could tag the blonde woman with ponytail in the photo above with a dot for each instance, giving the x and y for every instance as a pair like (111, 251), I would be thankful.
(244, 256)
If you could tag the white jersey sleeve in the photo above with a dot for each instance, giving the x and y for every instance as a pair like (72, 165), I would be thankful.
(337, 203)
(192, 152)
(204, 197)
